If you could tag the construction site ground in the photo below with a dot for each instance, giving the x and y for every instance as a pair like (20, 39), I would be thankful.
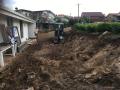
(83, 62)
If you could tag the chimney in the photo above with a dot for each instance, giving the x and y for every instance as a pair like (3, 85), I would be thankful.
(16, 9)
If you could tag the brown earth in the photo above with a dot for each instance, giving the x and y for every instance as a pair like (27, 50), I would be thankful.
(83, 62)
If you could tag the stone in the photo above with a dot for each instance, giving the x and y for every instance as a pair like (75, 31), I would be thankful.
(30, 88)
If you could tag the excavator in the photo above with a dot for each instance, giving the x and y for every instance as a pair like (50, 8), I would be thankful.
(47, 24)
(59, 33)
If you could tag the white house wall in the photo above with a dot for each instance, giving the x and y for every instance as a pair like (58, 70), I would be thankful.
(32, 29)
(25, 32)
(2, 21)
(1, 39)
(25, 29)
(16, 23)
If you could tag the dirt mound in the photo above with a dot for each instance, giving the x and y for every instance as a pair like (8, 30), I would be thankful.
(83, 62)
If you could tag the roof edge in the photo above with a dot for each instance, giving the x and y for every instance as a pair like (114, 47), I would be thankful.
(17, 14)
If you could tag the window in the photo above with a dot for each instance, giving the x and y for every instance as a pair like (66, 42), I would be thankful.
(21, 29)
(9, 21)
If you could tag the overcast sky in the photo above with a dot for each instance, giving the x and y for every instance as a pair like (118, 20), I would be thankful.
(70, 6)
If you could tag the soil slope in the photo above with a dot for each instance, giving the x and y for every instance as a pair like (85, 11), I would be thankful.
(83, 62)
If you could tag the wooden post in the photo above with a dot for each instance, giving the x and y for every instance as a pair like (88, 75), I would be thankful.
(14, 49)
(1, 59)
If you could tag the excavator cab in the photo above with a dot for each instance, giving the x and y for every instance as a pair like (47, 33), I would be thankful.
(59, 33)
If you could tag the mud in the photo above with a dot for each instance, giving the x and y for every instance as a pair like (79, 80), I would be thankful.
(83, 62)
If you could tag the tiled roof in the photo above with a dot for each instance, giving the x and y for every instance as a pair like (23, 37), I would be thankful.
(114, 14)
(89, 14)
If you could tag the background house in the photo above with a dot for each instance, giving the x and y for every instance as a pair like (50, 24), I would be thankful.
(35, 15)
(26, 13)
(93, 16)
(113, 17)
(43, 18)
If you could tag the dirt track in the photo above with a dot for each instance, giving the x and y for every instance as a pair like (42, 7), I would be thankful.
(82, 63)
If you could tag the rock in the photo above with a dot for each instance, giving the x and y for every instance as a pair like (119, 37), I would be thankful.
(88, 76)
(104, 34)
(45, 76)
(117, 65)
(31, 75)
(2, 85)
(94, 72)
(45, 87)
(19, 70)
(30, 88)
(57, 84)
(116, 68)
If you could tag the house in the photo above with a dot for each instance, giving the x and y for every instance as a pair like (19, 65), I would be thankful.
(43, 18)
(93, 16)
(44, 13)
(27, 13)
(22, 26)
(35, 15)
(113, 17)
(26, 26)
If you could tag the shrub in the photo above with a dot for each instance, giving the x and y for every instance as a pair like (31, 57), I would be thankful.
(115, 27)
(104, 27)
(98, 27)
(85, 27)
(91, 28)
(80, 27)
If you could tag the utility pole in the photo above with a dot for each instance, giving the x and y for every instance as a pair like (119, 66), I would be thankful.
(70, 14)
(78, 12)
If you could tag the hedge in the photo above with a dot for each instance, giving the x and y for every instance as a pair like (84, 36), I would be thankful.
(98, 27)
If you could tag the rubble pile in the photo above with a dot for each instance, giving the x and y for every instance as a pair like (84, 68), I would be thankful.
(83, 62)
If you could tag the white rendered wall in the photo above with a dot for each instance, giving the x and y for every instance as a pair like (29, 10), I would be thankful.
(3, 20)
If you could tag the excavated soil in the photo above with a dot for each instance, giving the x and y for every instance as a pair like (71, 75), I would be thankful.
(83, 62)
